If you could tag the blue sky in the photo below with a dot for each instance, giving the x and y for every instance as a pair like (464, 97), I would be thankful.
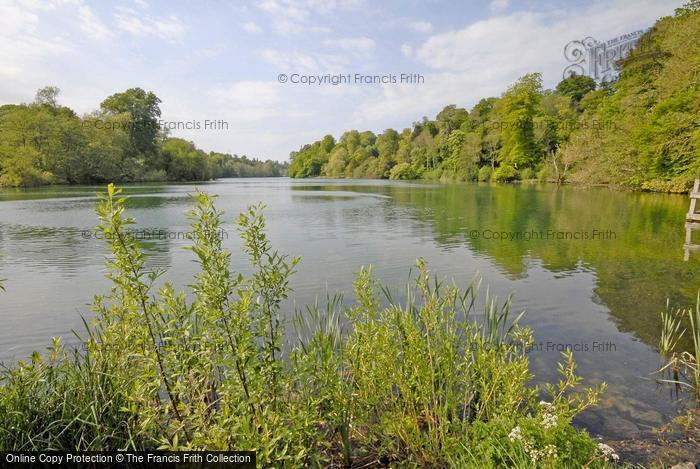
(215, 59)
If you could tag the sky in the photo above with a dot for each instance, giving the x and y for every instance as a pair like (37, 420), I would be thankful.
(248, 64)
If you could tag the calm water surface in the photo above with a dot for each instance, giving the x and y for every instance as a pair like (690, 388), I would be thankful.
(592, 267)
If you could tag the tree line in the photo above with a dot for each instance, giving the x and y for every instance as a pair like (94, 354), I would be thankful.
(640, 131)
(45, 143)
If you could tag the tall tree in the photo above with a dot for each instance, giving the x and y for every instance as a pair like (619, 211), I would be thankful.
(143, 107)
(47, 95)
(520, 104)
(576, 87)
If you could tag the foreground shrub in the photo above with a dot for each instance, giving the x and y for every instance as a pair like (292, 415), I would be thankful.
(423, 383)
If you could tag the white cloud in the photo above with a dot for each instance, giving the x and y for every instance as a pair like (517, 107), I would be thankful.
(91, 25)
(420, 26)
(286, 26)
(350, 44)
(504, 43)
(291, 10)
(24, 49)
(136, 23)
(15, 20)
(292, 16)
(485, 57)
(287, 17)
(402, 24)
(497, 6)
(302, 9)
(250, 100)
(290, 61)
(406, 50)
(320, 29)
(316, 63)
(251, 27)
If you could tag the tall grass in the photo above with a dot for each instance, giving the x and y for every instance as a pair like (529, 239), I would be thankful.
(683, 366)
(426, 383)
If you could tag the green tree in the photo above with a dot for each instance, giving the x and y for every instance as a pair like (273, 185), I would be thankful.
(310, 159)
(47, 95)
(520, 105)
(558, 118)
(187, 162)
(143, 108)
(337, 162)
(387, 147)
(576, 86)
(450, 118)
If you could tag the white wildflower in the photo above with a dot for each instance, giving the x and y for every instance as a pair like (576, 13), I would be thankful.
(531, 450)
(550, 451)
(515, 434)
(607, 452)
(549, 420)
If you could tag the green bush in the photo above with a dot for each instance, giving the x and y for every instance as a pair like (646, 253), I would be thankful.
(433, 174)
(469, 174)
(526, 174)
(505, 173)
(403, 171)
(20, 170)
(424, 383)
(156, 175)
(544, 174)
(485, 173)
(678, 184)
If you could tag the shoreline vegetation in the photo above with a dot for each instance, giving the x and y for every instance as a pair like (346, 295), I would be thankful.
(431, 382)
(640, 132)
(125, 140)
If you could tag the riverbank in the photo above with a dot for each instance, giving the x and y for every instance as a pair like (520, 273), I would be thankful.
(615, 187)
(674, 443)
(657, 189)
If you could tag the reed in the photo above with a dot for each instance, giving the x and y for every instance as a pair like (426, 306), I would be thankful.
(671, 333)
(681, 365)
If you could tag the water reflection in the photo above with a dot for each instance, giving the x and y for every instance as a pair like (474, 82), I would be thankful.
(630, 235)
(576, 291)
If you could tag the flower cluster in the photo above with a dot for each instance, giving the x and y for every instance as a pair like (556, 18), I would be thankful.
(548, 452)
(607, 452)
(549, 418)
(515, 435)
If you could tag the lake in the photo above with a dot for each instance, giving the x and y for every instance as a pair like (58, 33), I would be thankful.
(591, 267)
